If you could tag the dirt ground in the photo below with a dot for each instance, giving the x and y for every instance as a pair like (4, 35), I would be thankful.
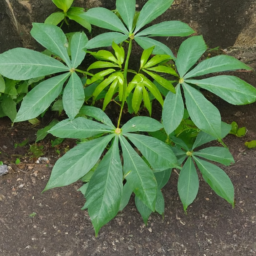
(52, 224)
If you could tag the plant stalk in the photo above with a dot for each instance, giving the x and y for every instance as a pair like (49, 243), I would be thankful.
(125, 81)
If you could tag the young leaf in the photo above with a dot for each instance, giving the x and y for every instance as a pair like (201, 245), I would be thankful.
(163, 177)
(147, 102)
(8, 107)
(173, 110)
(151, 10)
(110, 93)
(139, 175)
(189, 53)
(159, 202)
(106, 40)
(217, 179)
(164, 69)
(78, 43)
(180, 142)
(53, 39)
(24, 64)
(145, 56)
(97, 114)
(104, 192)
(127, 192)
(157, 59)
(102, 64)
(159, 155)
(137, 98)
(216, 154)
(77, 162)
(202, 112)
(159, 48)
(217, 64)
(167, 28)
(188, 183)
(230, 88)
(55, 18)
(143, 210)
(41, 97)
(126, 9)
(78, 15)
(73, 96)
(119, 52)
(100, 75)
(142, 124)
(104, 18)
(63, 4)
(79, 128)
(104, 55)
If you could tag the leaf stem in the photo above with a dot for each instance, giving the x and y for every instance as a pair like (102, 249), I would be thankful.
(84, 72)
(125, 81)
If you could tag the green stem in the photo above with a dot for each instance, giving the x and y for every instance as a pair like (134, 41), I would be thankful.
(84, 72)
(125, 81)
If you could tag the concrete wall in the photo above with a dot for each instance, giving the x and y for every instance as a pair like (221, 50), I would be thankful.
(224, 23)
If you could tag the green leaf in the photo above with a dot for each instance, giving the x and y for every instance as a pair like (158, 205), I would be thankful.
(164, 69)
(55, 18)
(73, 96)
(139, 175)
(217, 179)
(10, 87)
(2, 84)
(102, 64)
(142, 124)
(188, 183)
(159, 155)
(78, 15)
(104, 192)
(216, 154)
(230, 88)
(159, 202)
(104, 18)
(250, 144)
(173, 110)
(217, 64)
(104, 55)
(97, 114)
(53, 39)
(147, 102)
(143, 210)
(78, 43)
(127, 11)
(83, 189)
(79, 128)
(106, 40)
(150, 11)
(203, 138)
(168, 28)
(145, 56)
(137, 98)
(162, 81)
(179, 142)
(41, 97)
(160, 48)
(202, 112)
(63, 4)
(163, 177)
(24, 64)
(57, 106)
(77, 162)
(156, 60)
(110, 93)
(119, 52)
(189, 53)
(9, 108)
(127, 192)
(87, 177)
(42, 133)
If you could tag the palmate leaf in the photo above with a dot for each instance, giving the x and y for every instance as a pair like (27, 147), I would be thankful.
(53, 39)
(143, 210)
(24, 64)
(202, 112)
(78, 43)
(105, 40)
(63, 4)
(188, 183)
(77, 162)
(55, 18)
(78, 15)
(145, 56)
(142, 124)
(41, 97)
(157, 59)
(73, 96)
(217, 64)
(127, 11)
(159, 155)
(104, 18)
(104, 191)
(168, 28)
(150, 11)
(79, 128)
(216, 154)
(189, 53)
(127, 192)
(139, 175)
(173, 110)
(163, 177)
(217, 179)
(230, 88)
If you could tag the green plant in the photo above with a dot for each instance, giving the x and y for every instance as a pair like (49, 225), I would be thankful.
(68, 12)
(137, 157)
